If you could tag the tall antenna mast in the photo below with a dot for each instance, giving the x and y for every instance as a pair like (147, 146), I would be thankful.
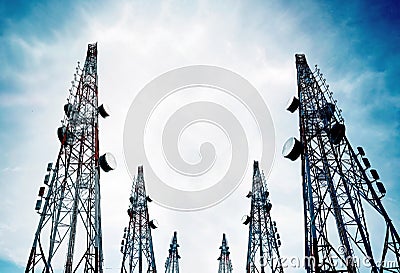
(137, 245)
(264, 240)
(172, 263)
(69, 228)
(337, 186)
(225, 264)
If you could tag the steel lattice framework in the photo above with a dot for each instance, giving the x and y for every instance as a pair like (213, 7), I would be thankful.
(172, 263)
(263, 241)
(137, 248)
(336, 187)
(70, 220)
(225, 264)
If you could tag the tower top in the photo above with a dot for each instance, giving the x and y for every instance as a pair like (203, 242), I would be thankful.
(301, 59)
(225, 264)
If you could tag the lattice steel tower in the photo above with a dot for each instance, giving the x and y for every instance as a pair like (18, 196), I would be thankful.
(225, 264)
(172, 263)
(337, 188)
(137, 245)
(69, 230)
(264, 241)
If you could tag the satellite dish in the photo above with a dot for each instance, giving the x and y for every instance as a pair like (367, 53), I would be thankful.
(293, 104)
(246, 219)
(107, 162)
(153, 224)
(327, 111)
(68, 108)
(104, 110)
(337, 133)
(65, 136)
(292, 149)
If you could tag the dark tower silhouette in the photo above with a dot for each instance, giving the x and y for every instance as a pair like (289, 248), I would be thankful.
(264, 241)
(225, 264)
(172, 263)
(337, 187)
(69, 228)
(137, 245)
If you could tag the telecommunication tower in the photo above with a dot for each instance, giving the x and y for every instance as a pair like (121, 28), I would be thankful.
(137, 243)
(264, 240)
(337, 187)
(69, 229)
(172, 263)
(225, 264)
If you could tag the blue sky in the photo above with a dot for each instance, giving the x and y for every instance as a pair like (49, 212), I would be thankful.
(356, 45)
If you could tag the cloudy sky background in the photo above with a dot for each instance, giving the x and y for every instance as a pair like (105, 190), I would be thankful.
(355, 44)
